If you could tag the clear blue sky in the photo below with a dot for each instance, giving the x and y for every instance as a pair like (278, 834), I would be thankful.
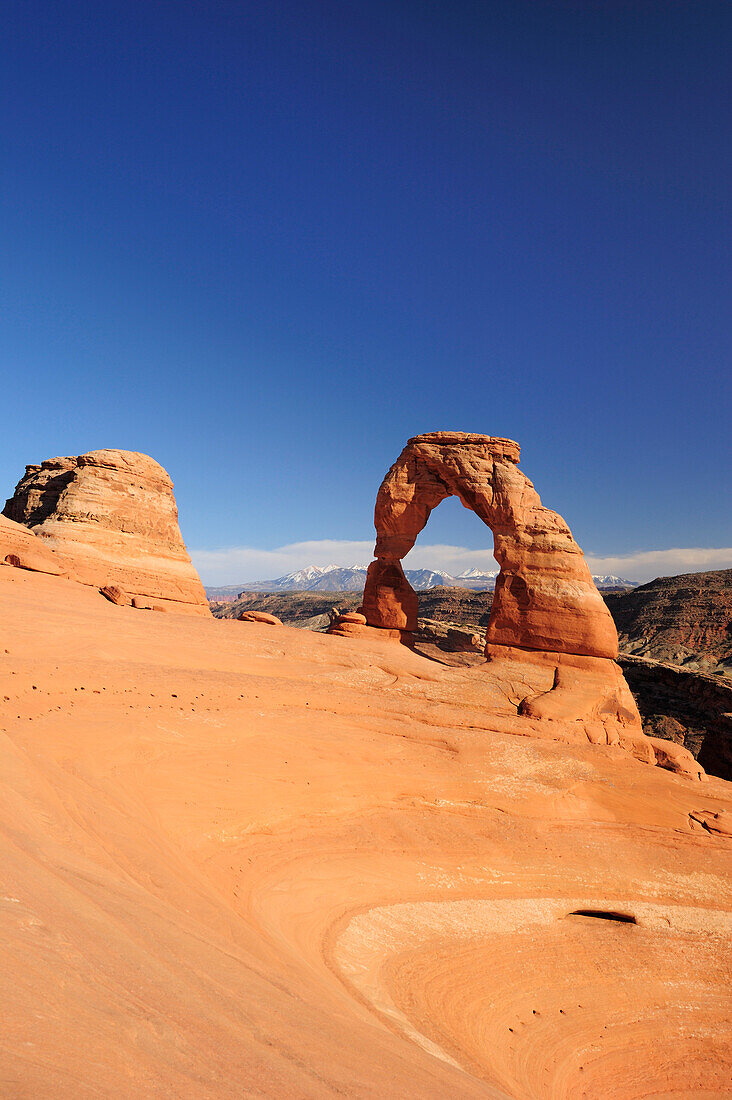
(267, 242)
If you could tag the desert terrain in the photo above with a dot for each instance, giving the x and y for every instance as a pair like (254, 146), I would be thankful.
(250, 861)
(241, 859)
(365, 551)
(684, 693)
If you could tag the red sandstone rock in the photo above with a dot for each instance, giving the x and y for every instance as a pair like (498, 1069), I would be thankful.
(19, 547)
(590, 692)
(463, 641)
(675, 758)
(389, 599)
(260, 617)
(545, 597)
(545, 608)
(112, 515)
(115, 595)
(301, 867)
(352, 617)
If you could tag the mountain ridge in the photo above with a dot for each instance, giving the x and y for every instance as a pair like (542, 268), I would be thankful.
(338, 578)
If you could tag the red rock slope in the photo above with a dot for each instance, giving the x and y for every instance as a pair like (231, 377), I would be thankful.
(112, 517)
(240, 861)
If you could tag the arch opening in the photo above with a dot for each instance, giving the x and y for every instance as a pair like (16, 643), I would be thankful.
(449, 526)
(454, 589)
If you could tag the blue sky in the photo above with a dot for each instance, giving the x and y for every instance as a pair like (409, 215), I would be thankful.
(267, 243)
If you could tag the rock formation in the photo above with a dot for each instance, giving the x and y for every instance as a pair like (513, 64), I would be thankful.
(545, 608)
(112, 517)
(545, 597)
(20, 547)
(260, 617)
(684, 620)
(115, 595)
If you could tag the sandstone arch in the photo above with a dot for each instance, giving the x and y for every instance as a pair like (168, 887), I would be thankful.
(545, 598)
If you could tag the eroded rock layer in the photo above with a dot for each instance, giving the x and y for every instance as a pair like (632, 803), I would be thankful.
(112, 516)
(684, 620)
(19, 547)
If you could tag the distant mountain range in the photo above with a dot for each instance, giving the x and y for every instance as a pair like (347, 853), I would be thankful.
(339, 578)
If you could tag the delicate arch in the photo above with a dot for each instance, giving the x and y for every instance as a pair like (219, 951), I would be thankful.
(545, 597)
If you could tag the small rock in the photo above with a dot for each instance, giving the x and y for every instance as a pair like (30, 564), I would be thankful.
(115, 595)
(463, 641)
(675, 758)
(260, 617)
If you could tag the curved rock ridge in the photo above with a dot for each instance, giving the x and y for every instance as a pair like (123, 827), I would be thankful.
(111, 516)
(406, 960)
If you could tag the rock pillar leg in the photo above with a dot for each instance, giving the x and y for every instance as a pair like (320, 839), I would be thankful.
(389, 601)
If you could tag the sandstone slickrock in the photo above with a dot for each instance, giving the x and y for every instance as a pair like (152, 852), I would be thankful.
(112, 515)
(269, 863)
(545, 606)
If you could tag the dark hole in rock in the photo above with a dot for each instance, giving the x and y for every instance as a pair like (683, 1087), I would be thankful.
(605, 914)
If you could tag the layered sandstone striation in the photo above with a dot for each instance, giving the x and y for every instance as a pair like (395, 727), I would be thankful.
(252, 862)
(545, 609)
(684, 620)
(19, 547)
(111, 516)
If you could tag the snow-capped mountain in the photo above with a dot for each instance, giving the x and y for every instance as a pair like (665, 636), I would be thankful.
(421, 579)
(482, 580)
(341, 578)
(476, 574)
(316, 578)
(611, 581)
(312, 578)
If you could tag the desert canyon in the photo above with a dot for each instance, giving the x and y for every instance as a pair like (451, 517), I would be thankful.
(245, 860)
